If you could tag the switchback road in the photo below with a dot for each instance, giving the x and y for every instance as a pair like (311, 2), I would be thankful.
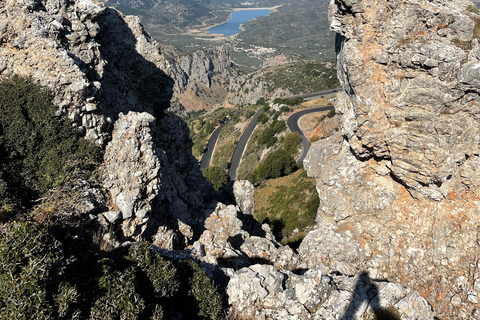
(207, 156)
(241, 145)
(292, 123)
(240, 148)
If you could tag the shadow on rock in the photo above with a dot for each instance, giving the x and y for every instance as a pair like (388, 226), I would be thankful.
(367, 292)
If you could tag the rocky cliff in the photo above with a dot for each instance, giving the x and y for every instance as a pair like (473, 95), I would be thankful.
(110, 79)
(399, 185)
(208, 70)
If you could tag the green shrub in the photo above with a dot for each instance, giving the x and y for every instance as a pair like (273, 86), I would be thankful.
(249, 114)
(331, 113)
(277, 164)
(292, 142)
(39, 150)
(260, 101)
(59, 277)
(267, 137)
(217, 176)
(262, 118)
(289, 101)
(199, 293)
(118, 298)
(27, 256)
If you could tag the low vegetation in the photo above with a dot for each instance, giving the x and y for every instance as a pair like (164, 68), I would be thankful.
(217, 176)
(52, 273)
(40, 152)
(303, 77)
(280, 162)
(289, 205)
(266, 137)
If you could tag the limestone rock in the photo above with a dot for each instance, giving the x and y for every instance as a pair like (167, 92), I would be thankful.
(263, 292)
(132, 165)
(243, 191)
(228, 242)
(398, 186)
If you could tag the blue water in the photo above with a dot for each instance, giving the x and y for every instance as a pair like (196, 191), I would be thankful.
(231, 27)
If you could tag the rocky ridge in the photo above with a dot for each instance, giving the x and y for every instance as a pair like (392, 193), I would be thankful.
(398, 186)
(113, 82)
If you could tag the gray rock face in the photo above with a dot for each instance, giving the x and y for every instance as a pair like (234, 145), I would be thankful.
(263, 292)
(132, 165)
(243, 191)
(399, 186)
(203, 67)
(147, 187)
(253, 86)
(96, 62)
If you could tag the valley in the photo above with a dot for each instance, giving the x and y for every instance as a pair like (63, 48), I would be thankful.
(184, 24)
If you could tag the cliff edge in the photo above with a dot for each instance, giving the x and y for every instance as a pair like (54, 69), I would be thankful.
(399, 185)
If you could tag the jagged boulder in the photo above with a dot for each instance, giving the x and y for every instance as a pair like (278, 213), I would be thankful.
(230, 241)
(132, 166)
(243, 192)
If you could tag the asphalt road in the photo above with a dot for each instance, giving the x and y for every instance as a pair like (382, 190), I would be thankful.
(240, 148)
(241, 145)
(292, 123)
(207, 156)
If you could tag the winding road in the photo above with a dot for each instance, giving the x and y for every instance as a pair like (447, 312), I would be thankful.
(207, 155)
(292, 124)
(241, 145)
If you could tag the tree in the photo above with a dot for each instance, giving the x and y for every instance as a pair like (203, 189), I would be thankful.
(277, 164)
(263, 118)
(292, 142)
(216, 176)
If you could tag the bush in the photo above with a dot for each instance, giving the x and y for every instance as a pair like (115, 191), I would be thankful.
(217, 176)
(28, 254)
(39, 151)
(277, 164)
(59, 277)
(331, 113)
(262, 118)
(260, 101)
(289, 101)
(292, 142)
(249, 114)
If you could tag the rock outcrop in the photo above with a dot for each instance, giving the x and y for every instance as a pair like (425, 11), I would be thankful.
(208, 71)
(204, 67)
(251, 87)
(263, 292)
(113, 82)
(399, 185)
(96, 62)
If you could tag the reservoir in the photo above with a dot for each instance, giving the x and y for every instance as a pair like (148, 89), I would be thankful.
(232, 26)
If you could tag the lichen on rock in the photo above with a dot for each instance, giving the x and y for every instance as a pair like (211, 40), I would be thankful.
(398, 185)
